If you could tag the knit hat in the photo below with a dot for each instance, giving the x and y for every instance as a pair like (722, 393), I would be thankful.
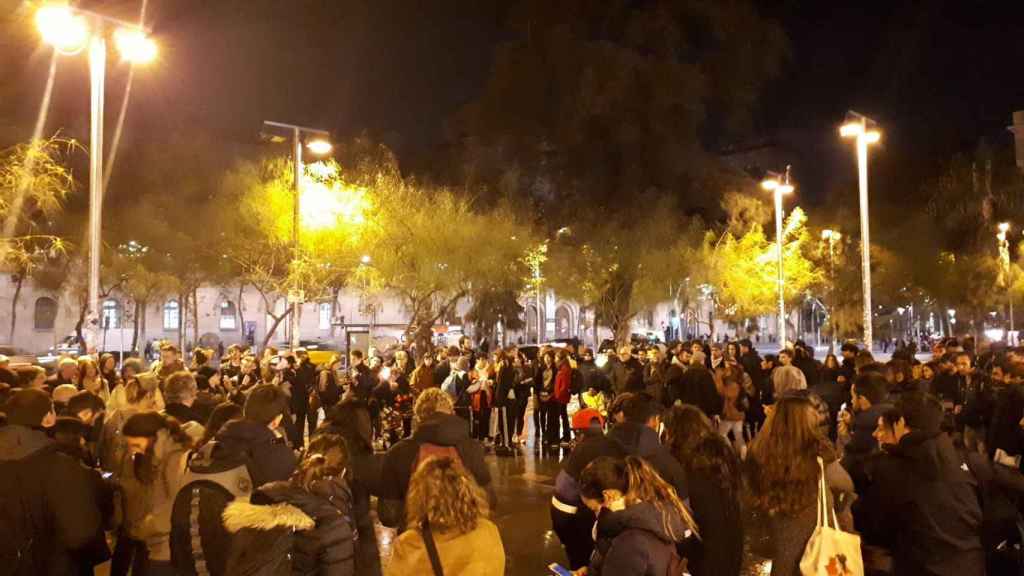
(143, 425)
(28, 407)
(265, 402)
(582, 419)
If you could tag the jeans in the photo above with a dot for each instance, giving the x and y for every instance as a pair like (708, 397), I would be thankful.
(736, 427)
(557, 416)
(574, 531)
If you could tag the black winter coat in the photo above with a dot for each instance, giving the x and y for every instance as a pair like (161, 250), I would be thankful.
(440, 430)
(639, 440)
(58, 494)
(272, 459)
(698, 388)
(626, 376)
(635, 542)
(717, 513)
(922, 504)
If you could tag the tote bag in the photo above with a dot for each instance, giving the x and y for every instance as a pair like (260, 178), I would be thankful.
(830, 551)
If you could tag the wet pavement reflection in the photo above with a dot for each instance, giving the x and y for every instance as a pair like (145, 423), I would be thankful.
(524, 484)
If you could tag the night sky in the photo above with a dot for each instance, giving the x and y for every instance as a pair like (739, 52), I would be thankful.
(938, 75)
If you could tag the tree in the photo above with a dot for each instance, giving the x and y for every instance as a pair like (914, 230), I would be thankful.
(34, 183)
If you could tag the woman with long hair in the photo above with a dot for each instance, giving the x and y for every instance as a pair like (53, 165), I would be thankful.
(714, 479)
(315, 504)
(447, 510)
(108, 370)
(783, 475)
(640, 519)
(90, 379)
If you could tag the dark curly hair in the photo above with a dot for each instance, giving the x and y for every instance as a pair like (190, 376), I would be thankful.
(690, 437)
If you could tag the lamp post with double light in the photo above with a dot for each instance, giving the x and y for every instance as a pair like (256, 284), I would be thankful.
(317, 142)
(780, 186)
(864, 132)
(69, 30)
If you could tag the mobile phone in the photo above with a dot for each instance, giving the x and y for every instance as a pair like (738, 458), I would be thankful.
(843, 407)
(559, 570)
(107, 475)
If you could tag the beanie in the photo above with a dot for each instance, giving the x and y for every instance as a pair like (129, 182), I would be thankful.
(28, 407)
(143, 425)
(265, 402)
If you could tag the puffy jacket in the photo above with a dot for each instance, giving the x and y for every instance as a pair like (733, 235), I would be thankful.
(57, 492)
(697, 387)
(440, 430)
(923, 487)
(636, 541)
(328, 548)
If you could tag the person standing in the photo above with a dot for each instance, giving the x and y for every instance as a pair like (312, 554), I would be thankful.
(560, 397)
(303, 385)
(625, 372)
(48, 512)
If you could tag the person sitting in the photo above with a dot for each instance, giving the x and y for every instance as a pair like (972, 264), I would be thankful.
(640, 519)
(449, 533)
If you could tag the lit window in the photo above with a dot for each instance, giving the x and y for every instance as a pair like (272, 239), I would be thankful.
(172, 315)
(111, 315)
(228, 320)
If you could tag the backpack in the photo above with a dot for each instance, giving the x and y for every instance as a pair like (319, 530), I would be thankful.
(19, 552)
(199, 542)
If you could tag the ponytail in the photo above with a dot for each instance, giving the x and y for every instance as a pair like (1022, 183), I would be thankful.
(645, 485)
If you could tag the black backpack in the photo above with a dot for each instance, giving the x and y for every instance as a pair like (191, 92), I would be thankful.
(200, 544)
(20, 553)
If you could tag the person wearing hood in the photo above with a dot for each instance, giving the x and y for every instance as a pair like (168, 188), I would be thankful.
(257, 435)
(698, 387)
(36, 477)
(625, 371)
(151, 473)
(640, 519)
(313, 509)
(638, 435)
(922, 502)
(437, 431)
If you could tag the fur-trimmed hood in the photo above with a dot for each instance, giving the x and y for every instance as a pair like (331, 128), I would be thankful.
(240, 515)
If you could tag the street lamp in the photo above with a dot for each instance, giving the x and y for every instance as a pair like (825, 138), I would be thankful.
(831, 236)
(779, 184)
(317, 143)
(69, 30)
(864, 130)
(1004, 259)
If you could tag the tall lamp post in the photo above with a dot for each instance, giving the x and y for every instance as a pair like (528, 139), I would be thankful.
(316, 142)
(831, 236)
(1004, 260)
(865, 132)
(780, 186)
(69, 30)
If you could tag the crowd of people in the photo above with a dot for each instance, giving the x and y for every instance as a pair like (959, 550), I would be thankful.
(271, 464)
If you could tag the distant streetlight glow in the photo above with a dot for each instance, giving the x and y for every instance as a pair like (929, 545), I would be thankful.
(365, 259)
(319, 146)
(62, 28)
(135, 46)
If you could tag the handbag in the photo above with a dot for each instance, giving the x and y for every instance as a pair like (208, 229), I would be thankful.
(830, 551)
(428, 541)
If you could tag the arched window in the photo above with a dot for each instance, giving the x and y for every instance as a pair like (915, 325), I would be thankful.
(172, 315)
(228, 320)
(111, 319)
(325, 315)
(45, 313)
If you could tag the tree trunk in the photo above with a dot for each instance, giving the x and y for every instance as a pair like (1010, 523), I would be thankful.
(14, 305)
(139, 318)
(274, 325)
(182, 320)
(238, 309)
(195, 316)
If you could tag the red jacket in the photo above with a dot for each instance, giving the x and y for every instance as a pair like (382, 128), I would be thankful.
(563, 384)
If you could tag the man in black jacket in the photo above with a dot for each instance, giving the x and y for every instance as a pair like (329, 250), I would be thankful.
(438, 432)
(856, 429)
(305, 383)
(698, 388)
(257, 436)
(922, 501)
(625, 372)
(48, 512)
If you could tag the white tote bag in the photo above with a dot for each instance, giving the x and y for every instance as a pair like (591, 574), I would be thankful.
(830, 551)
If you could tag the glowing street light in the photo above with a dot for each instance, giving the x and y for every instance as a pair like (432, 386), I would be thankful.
(831, 236)
(1004, 260)
(366, 259)
(863, 130)
(780, 186)
(69, 30)
(319, 145)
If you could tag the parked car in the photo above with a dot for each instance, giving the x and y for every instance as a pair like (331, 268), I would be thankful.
(320, 351)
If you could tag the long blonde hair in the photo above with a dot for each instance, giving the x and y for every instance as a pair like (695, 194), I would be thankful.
(443, 494)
